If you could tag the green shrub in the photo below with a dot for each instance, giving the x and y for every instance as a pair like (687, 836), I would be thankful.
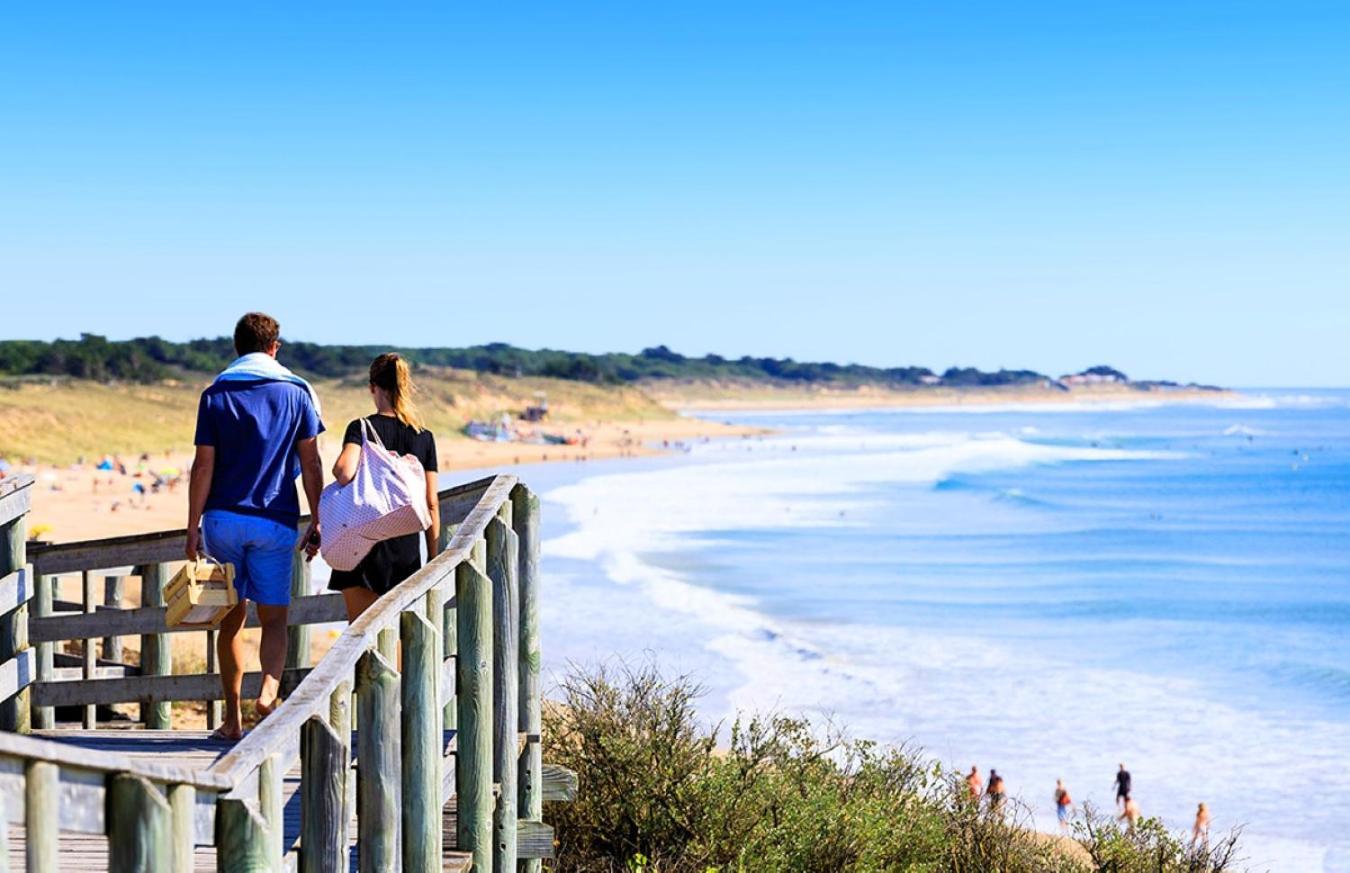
(656, 794)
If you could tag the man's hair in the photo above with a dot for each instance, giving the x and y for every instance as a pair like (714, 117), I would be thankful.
(255, 332)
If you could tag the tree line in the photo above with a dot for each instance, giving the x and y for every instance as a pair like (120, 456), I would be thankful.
(152, 359)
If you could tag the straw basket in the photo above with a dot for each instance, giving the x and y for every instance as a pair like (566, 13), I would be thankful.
(200, 594)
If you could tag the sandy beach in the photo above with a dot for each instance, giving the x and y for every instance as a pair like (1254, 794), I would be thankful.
(79, 502)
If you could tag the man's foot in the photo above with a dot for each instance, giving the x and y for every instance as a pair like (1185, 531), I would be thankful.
(227, 735)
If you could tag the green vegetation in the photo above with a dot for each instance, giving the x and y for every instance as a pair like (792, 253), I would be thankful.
(151, 359)
(658, 795)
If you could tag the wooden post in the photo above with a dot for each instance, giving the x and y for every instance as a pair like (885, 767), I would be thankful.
(473, 673)
(112, 597)
(297, 635)
(241, 839)
(530, 780)
(183, 805)
(378, 765)
(449, 649)
(139, 826)
(387, 643)
(271, 807)
(422, 747)
(16, 712)
(44, 717)
(90, 660)
(155, 660)
(215, 709)
(503, 560)
(323, 806)
(340, 720)
(42, 815)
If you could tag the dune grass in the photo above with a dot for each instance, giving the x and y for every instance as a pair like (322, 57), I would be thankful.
(58, 421)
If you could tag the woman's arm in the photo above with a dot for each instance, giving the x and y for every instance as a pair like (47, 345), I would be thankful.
(434, 504)
(344, 468)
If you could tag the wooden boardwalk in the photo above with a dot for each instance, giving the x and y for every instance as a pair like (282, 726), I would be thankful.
(194, 750)
(444, 772)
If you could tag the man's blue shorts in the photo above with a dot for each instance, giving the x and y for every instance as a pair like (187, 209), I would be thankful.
(260, 549)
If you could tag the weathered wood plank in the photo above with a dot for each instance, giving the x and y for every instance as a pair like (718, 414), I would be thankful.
(503, 560)
(73, 757)
(139, 826)
(17, 673)
(156, 658)
(473, 688)
(16, 497)
(202, 686)
(318, 609)
(323, 808)
(559, 783)
(421, 743)
(534, 839)
(378, 765)
(16, 588)
(271, 806)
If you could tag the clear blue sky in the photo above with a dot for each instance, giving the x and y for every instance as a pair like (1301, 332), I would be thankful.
(1160, 186)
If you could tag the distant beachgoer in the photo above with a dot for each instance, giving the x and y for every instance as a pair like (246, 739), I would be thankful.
(1062, 803)
(257, 432)
(1200, 832)
(974, 784)
(399, 426)
(1124, 782)
(1131, 814)
(996, 792)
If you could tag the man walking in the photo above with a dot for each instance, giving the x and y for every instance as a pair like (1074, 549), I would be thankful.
(1124, 783)
(257, 429)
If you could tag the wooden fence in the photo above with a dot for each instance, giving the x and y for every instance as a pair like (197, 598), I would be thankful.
(435, 689)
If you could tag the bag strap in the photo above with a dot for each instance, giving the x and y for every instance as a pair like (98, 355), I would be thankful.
(368, 428)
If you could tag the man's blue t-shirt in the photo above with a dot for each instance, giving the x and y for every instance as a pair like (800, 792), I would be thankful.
(254, 427)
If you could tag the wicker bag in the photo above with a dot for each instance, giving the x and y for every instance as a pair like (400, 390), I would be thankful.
(200, 594)
(386, 498)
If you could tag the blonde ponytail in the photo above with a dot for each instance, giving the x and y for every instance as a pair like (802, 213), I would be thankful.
(392, 374)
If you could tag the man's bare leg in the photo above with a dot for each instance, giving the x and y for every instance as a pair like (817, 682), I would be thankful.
(272, 654)
(230, 651)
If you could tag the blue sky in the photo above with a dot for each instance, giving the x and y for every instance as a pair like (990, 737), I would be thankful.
(1162, 187)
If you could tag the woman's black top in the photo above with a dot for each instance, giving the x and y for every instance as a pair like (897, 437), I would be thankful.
(390, 561)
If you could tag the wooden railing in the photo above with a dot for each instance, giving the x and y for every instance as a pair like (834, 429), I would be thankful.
(444, 668)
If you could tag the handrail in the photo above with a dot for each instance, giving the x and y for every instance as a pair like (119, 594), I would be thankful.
(281, 729)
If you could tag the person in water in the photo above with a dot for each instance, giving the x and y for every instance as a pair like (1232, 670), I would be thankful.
(997, 794)
(974, 784)
(1131, 814)
(1124, 784)
(399, 426)
(1200, 831)
(1062, 803)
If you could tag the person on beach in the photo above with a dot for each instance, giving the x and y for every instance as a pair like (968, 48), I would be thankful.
(1131, 814)
(1200, 831)
(1124, 782)
(400, 428)
(974, 784)
(1062, 803)
(257, 431)
(997, 794)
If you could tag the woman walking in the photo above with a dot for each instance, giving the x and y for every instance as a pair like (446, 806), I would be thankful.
(399, 427)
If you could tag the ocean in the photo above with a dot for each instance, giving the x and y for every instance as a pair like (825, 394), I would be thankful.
(1048, 591)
